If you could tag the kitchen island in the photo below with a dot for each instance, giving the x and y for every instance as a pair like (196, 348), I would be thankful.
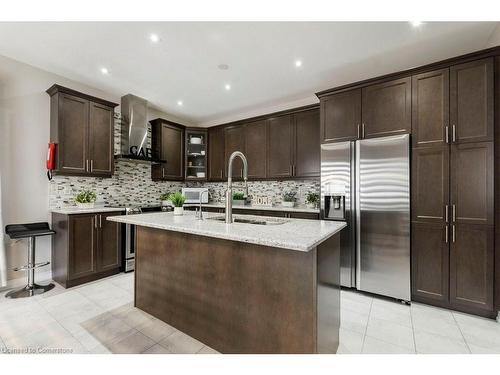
(241, 287)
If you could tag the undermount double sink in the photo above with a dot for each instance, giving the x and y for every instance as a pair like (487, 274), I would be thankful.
(263, 221)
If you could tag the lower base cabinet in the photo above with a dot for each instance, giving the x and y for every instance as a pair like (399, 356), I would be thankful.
(86, 247)
(454, 270)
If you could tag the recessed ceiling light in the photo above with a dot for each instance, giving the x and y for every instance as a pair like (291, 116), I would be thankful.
(223, 66)
(298, 63)
(416, 23)
(104, 71)
(180, 103)
(227, 86)
(154, 38)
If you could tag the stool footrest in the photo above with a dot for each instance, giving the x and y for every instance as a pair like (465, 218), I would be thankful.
(30, 266)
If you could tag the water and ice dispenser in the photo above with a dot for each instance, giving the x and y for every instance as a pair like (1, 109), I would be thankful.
(334, 206)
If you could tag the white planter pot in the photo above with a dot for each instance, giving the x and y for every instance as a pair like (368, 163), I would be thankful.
(310, 205)
(178, 211)
(238, 202)
(85, 205)
(287, 204)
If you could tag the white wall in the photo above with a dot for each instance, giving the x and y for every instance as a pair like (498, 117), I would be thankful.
(24, 134)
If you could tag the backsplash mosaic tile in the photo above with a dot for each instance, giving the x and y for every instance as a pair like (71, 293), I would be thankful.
(131, 184)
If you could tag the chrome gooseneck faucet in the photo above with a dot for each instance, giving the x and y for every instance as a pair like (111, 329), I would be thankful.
(229, 191)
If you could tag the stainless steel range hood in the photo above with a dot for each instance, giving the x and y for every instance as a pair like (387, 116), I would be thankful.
(134, 143)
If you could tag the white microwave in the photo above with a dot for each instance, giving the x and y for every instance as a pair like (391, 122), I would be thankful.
(194, 195)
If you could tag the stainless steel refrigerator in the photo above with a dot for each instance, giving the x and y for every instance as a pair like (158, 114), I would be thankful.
(366, 183)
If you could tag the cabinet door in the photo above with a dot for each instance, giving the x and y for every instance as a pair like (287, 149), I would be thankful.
(82, 245)
(471, 267)
(307, 144)
(304, 215)
(109, 249)
(430, 259)
(341, 116)
(386, 108)
(471, 183)
(172, 151)
(234, 140)
(72, 149)
(430, 184)
(256, 148)
(215, 154)
(101, 140)
(280, 147)
(471, 101)
(431, 108)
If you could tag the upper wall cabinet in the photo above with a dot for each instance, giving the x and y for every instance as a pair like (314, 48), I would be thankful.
(168, 145)
(280, 147)
(431, 108)
(256, 148)
(307, 144)
(341, 116)
(82, 126)
(215, 153)
(471, 101)
(234, 140)
(386, 108)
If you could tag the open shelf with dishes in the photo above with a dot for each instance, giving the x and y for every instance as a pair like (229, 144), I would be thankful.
(196, 154)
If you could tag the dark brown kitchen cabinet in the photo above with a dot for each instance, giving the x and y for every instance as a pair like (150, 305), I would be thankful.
(471, 101)
(471, 267)
(307, 144)
(85, 247)
(431, 108)
(386, 108)
(430, 261)
(341, 116)
(82, 127)
(256, 148)
(430, 183)
(216, 153)
(234, 140)
(280, 147)
(168, 146)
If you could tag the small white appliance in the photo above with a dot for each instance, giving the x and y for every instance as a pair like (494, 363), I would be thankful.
(194, 195)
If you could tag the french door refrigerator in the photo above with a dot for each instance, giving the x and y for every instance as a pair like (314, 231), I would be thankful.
(367, 184)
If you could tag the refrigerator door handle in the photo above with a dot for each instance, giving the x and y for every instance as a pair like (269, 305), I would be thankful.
(358, 214)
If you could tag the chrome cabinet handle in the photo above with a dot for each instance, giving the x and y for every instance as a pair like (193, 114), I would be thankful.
(363, 130)
(453, 233)
(446, 234)
(453, 213)
(358, 131)
(221, 173)
(95, 221)
(91, 165)
(447, 134)
(446, 213)
(87, 165)
(100, 221)
(453, 133)
(162, 172)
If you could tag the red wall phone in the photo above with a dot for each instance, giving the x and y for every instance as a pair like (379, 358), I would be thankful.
(51, 156)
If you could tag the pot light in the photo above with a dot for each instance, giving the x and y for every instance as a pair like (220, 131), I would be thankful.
(227, 86)
(223, 66)
(154, 38)
(298, 63)
(104, 71)
(416, 23)
(180, 103)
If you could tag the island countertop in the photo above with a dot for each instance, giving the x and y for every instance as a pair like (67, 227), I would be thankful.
(294, 234)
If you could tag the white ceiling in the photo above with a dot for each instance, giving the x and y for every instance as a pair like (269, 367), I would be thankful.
(261, 56)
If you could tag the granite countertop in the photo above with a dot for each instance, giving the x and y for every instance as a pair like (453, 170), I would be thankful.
(96, 209)
(261, 208)
(294, 234)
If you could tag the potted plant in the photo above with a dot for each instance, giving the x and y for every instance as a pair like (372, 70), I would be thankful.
(165, 199)
(289, 199)
(312, 200)
(85, 199)
(177, 200)
(238, 199)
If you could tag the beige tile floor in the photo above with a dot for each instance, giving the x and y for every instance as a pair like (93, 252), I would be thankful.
(99, 318)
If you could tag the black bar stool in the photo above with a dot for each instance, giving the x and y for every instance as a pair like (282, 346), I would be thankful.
(29, 231)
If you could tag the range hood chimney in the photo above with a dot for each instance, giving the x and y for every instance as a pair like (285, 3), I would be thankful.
(134, 130)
